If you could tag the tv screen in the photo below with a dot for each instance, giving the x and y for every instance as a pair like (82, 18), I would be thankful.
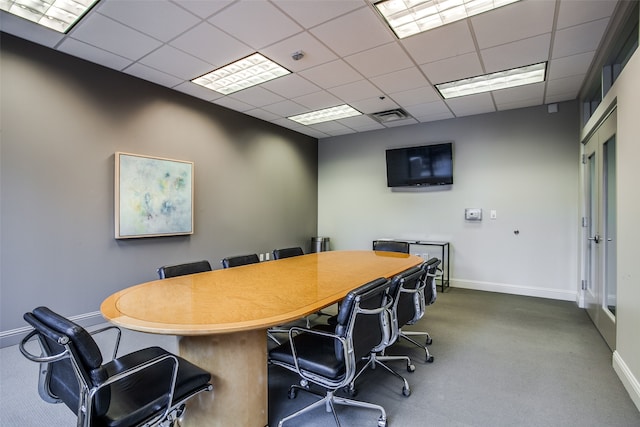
(420, 166)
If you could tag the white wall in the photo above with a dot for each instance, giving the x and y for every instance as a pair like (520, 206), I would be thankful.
(522, 163)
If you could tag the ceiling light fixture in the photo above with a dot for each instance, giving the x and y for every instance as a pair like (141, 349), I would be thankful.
(325, 115)
(409, 17)
(58, 15)
(500, 80)
(246, 72)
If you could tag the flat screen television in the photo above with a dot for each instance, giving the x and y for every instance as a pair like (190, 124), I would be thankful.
(420, 166)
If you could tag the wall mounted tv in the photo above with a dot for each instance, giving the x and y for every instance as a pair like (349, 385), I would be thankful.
(420, 166)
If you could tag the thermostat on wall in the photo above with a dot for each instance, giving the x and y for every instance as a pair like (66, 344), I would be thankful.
(473, 214)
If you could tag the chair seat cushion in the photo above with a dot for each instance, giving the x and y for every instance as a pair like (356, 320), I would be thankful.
(139, 396)
(315, 354)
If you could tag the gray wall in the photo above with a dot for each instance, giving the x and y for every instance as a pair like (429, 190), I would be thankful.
(62, 121)
(522, 163)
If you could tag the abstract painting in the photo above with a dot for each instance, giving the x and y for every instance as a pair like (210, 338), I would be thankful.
(153, 196)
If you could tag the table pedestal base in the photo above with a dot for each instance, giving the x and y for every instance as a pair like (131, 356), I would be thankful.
(238, 365)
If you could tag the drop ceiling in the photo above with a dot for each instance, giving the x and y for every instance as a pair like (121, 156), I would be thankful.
(350, 55)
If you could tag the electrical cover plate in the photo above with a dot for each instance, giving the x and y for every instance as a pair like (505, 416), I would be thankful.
(473, 214)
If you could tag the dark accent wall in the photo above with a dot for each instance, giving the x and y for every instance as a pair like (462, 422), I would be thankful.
(63, 119)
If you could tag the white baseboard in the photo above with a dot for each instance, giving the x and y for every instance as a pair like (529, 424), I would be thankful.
(506, 288)
(14, 336)
(629, 381)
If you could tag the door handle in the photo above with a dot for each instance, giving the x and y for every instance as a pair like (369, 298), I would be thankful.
(595, 239)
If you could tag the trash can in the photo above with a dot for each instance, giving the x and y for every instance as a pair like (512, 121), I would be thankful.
(319, 244)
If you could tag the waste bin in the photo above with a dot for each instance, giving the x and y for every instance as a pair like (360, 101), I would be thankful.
(319, 244)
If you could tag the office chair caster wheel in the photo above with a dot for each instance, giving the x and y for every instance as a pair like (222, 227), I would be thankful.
(293, 393)
(382, 422)
(429, 341)
(406, 391)
(411, 367)
(429, 359)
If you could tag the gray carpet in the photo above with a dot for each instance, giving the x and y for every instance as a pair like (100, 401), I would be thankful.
(500, 360)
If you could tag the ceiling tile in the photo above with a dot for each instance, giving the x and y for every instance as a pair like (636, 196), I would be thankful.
(233, 104)
(197, 91)
(565, 85)
(256, 23)
(404, 122)
(203, 8)
(176, 63)
(318, 100)
(362, 89)
(331, 74)
(152, 75)
(517, 54)
(361, 123)
(440, 43)
(579, 39)
(415, 96)
(315, 53)
(290, 86)
(159, 18)
(223, 51)
(93, 54)
(409, 78)
(256, 96)
(380, 60)
(374, 105)
(285, 108)
(310, 13)
(472, 104)
(521, 20)
(262, 114)
(354, 32)
(520, 97)
(455, 68)
(429, 109)
(574, 12)
(107, 34)
(570, 65)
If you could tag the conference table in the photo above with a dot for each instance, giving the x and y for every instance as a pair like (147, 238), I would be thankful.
(221, 319)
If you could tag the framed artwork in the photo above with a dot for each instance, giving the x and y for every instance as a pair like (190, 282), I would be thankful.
(153, 196)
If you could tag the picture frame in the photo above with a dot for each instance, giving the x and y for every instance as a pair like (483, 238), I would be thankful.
(153, 196)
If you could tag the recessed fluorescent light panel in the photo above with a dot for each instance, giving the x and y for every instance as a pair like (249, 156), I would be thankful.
(409, 17)
(494, 81)
(250, 71)
(325, 115)
(59, 15)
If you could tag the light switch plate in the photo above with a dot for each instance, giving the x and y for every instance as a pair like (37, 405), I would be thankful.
(473, 214)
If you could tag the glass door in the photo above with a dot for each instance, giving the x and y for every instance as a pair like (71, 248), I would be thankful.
(600, 292)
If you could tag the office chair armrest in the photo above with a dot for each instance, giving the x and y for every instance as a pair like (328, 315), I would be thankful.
(295, 330)
(146, 365)
(118, 335)
(42, 358)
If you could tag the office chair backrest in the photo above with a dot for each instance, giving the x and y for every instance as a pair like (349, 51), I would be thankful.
(405, 289)
(431, 271)
(366, 329)
(391, 246)
(287, 252)
(54, 332)
(182, 269)
(238, 260)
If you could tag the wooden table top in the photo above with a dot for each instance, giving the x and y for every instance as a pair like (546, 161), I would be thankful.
(255, 296)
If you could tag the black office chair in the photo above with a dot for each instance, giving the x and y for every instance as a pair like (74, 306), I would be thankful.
(167, 271)
(329, 359)
(149, 387)
(424, 297)
(391, 246)
(287, 252)
(238, 260)
(402, 290)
